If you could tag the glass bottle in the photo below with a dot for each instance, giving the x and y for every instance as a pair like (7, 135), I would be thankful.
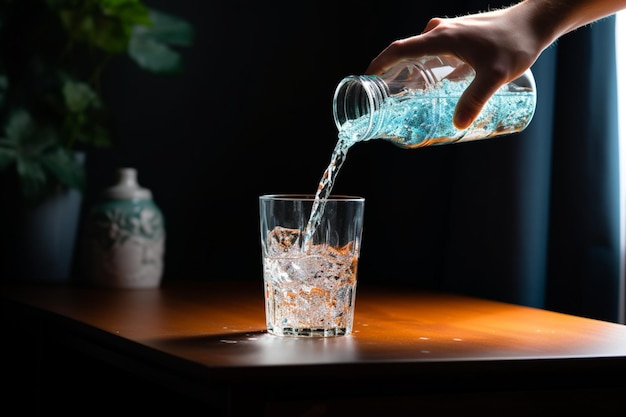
(412, 104)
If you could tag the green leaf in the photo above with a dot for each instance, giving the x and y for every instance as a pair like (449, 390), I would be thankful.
(130, 11)
(19, 127)
(106, 24)
(79, 96)
(64, 167)
(154, 56)
(28, 140)
(32, 177)
(87, 118)
(39, 159)
(149, 45)
(169, 29)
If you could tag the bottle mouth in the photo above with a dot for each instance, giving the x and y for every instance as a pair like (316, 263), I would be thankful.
(360, 97)
(356, 97)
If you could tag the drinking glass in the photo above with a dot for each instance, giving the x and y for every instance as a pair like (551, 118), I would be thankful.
(310, 251)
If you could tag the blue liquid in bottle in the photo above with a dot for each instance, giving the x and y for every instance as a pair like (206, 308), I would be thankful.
(421, 119)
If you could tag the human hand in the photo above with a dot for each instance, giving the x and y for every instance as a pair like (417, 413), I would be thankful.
(499, 45)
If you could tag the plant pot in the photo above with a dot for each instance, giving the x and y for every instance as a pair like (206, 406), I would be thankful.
(38, 242)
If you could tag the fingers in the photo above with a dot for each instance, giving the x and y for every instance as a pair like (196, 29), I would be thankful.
(473, 100)
(411, 47)
(432, 23)
(391, 55)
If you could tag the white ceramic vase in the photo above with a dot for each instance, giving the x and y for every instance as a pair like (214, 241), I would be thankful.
(125, 236)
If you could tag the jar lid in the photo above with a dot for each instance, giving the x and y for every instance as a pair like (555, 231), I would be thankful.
(127, 187)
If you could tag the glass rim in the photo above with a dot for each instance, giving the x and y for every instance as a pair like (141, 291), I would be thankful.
(310, 197)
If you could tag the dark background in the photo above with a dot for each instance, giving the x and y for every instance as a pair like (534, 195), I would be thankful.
(252, 114)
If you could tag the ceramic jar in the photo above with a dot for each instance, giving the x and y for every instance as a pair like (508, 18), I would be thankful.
(125, 236)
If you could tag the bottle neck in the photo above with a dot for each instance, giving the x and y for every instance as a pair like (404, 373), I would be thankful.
(356, 106)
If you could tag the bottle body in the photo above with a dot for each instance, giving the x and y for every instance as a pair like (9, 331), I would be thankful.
(412, 104)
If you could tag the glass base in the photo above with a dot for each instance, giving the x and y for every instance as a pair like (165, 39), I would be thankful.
(308, 332)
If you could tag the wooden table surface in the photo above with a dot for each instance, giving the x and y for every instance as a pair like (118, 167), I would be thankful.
(207, 335)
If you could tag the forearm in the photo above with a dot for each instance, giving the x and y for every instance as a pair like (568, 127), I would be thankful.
(554, 18)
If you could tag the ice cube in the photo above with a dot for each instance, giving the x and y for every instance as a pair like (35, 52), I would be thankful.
(282, 241)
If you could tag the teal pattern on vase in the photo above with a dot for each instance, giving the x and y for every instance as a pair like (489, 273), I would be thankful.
(126, 236)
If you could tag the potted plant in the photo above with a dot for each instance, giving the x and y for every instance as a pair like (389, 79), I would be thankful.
(53, 54)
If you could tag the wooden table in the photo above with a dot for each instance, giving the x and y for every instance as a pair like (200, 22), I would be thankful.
(193, 347)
